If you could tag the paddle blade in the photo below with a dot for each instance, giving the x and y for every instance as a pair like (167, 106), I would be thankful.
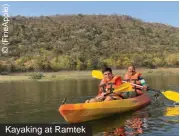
(172, 111)
(97, 74)
(125, 87)
(171, 95)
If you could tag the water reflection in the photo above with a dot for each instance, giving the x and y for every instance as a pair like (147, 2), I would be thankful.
(171, 111)
(132, 123)
(132, 126)
(142, 122)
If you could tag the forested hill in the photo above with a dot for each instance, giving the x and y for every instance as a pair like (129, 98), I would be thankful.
(80, 42)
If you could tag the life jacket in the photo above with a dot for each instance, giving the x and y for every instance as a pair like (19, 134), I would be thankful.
(108, 85)
(133, 78)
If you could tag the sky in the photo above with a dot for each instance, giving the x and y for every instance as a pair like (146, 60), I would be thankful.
(166, 12)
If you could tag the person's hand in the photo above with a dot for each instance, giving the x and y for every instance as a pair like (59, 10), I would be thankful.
(145, 87)
(108, 91)
(102, 95)
(131, 82)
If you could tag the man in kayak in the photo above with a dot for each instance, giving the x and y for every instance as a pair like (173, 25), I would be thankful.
(107, 85)
(134, 77)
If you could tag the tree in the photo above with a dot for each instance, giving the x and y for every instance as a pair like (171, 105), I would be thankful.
(172, 60)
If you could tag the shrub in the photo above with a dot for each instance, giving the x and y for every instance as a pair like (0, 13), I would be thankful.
(36, 75)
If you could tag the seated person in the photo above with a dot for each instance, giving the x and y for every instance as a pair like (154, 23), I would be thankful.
(135, 78)
(107, 85)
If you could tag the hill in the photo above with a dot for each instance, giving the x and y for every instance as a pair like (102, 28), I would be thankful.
(80, 42)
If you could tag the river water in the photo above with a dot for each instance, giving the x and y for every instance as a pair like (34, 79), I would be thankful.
(38, 102)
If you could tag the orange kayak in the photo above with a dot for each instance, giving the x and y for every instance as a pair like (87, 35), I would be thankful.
(76, 113)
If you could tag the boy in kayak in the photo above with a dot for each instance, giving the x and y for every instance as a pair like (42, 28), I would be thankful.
(134, 77)
(107, 85)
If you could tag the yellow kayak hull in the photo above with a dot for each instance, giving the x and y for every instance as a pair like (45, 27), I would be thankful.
(76, 113)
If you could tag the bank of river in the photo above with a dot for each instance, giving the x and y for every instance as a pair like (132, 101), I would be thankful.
(61, 75)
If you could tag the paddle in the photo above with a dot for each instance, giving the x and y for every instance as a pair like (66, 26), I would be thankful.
(125, 87)
(171, 95)
(97, 74)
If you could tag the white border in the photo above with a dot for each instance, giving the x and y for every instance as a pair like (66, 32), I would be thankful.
(91, 0)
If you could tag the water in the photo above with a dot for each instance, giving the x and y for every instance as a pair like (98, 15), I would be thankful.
(38, 102)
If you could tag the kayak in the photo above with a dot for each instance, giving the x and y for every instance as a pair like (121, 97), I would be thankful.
(81, 112)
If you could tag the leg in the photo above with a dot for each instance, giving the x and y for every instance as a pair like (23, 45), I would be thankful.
(126, 95)
(139, 92)
(93, 100)
(87, 101)
(108, 98)
(114, 97)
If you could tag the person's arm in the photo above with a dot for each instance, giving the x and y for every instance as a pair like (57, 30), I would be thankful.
(125, 78)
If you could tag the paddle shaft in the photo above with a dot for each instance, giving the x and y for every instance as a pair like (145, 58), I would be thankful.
(158, 91)
(107, 94)
(125, 87)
